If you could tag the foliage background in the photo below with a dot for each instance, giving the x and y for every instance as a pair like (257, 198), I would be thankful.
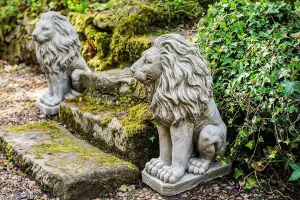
(113, 33)
(253, 49)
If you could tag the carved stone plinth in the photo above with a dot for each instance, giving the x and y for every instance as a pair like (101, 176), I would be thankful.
(47, 110)
(188, 181)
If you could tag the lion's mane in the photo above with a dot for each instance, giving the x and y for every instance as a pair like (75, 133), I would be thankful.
(184, 88)
(57, 54)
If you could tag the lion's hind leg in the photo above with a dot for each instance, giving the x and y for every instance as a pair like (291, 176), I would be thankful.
(75, 76)
(211, 143)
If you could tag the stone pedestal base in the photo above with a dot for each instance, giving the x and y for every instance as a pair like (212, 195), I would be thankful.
(187, 182)
(47, 110)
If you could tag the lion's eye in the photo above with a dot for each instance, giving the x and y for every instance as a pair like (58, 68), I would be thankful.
(45, 28)
(147, 61)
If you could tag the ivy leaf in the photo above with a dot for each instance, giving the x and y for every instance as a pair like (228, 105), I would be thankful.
(152, 138)
(290, 87)
(296, 173)
(250, 144)
(238, 173)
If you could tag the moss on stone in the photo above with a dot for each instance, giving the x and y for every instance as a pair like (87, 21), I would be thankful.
(48, 127)
(104, 21)
(98, 40)
(78, 152)
(134, 122)
(60, 142)
(80, 21)
(136, 46)
(106, 120)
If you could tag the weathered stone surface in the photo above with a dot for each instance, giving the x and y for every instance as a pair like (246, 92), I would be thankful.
(126, 132)
(62, 164)
(188, 181)
(62, 73)
(108, 82)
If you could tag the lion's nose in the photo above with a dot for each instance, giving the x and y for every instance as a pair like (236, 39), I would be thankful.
(34, 36)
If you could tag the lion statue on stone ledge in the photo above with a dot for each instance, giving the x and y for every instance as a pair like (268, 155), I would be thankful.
(179, 86)
(58, 52)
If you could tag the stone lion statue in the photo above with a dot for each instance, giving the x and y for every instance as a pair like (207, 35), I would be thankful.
(58, 52)
(179, 86)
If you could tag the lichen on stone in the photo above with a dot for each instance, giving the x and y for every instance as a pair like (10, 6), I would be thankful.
(135, 119)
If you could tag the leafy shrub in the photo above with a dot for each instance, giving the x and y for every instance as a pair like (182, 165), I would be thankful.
(253, 49)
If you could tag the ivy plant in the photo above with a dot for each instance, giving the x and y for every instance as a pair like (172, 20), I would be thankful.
(254, 51)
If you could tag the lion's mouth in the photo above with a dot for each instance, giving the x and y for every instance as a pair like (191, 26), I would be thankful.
(141, 77)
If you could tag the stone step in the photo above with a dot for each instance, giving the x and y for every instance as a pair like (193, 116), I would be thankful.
(114, 86)
(125, 132)
(113, 115)
(63, 165)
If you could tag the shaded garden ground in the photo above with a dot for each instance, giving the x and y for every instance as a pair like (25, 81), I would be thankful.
(20, 86)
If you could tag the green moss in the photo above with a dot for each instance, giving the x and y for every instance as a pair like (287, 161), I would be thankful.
(80, 154)
(62, 144)
(135, 120)
(47, 127)
(99, 40)
(106, 120)
(100, 64)
(80, 21)
(104, 21)
(136, 46)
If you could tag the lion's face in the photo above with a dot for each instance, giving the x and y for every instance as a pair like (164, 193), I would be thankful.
(43, 31)
(148, 68)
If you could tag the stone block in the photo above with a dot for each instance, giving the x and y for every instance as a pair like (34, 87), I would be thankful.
(188, 181)
(63, 165)
(126, 132)
(47, 110)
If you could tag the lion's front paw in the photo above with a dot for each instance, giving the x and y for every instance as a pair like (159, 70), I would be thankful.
(55, 101)
(45, 98)
(170, 174)
(154, 165)
(198, 166)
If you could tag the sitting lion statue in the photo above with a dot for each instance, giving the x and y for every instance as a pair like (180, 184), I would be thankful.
(179, 86)
(58, 52)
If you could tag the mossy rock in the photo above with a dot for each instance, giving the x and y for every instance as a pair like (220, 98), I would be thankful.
(65, 166)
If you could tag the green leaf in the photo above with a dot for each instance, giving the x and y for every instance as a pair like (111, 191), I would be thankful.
(152, 138)
(290, 87)
(247, 186)
(296, 173)
(223, 25)
(260, 139)
(250, 144)
(238, 173)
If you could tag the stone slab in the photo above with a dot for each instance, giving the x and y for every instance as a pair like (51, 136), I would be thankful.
(47, 110)
(111, 136)
(188, 182)
(63, 165)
